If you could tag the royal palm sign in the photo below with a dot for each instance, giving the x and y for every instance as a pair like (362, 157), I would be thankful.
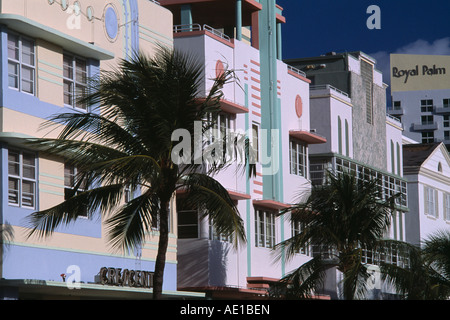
(419, 72)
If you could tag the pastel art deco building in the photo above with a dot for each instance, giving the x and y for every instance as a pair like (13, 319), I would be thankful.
(49, 48)
(270, 101)
(348, 106)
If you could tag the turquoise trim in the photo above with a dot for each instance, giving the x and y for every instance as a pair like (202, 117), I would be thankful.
(51, 81)
(283, 251)
(279, 42)
(51, 192)
(239, 20)
(50, 64)
(247, 189)
(270, 110)
(186, 14)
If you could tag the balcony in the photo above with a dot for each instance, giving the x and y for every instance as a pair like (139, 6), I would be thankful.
(197, 29)
(425, 126)
(395, 111)
(443, 110)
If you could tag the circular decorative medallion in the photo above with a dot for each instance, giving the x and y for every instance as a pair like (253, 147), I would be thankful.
(298, 106)
(111, 22)
(219, 68)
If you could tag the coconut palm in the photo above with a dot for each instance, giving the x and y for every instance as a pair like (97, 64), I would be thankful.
(125, 142)
(427, 275)
(340, 220)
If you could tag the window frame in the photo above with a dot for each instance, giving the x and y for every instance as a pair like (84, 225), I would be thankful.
(446, 212)
(73, 81)
(296, 228)
(265, 228)
(71, 188)
(426, 105)
(20, 64)
(427, 137)
(431, 202)
(301, 151)
(20, 178)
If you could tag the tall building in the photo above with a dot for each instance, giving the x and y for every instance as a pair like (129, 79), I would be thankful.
(270, 101)
(49, 49)
(348, 107)
(420, 88)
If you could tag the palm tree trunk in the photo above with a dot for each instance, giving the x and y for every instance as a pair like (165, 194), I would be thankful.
(162, 250)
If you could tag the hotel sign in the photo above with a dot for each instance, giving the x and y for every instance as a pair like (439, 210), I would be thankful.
(419, 72)
(126, 278)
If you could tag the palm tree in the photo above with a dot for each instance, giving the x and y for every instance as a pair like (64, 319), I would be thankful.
(125, 141)
(340, 219)
(427, 274)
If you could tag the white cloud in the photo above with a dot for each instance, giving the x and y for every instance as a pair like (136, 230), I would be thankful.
(420, 46)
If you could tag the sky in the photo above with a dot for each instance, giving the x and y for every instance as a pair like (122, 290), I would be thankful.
(315, 27)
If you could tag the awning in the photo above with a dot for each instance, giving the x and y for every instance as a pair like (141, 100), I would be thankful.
(271, 204)
(307, 136)
(30, 288)
(36, 30)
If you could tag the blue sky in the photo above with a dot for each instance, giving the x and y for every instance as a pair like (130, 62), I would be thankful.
(315, 27)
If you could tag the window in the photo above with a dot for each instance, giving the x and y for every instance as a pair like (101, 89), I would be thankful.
(446, 103)
(255, 140)
(72, 186)
(187, 224)
(21, 64)
(426, 105)
(75, 80)
(427, 137)
(264, 228)
(297, 228)
(397, 105)
(21, 179)
(339, 135)
(446, 135)
(447, 206)
(298, 158)
(431, 204)
(446, 121)
(426, 120)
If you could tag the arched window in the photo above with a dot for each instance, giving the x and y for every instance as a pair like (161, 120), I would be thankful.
(339, 135)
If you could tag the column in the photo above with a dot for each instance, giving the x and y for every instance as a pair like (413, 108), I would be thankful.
(186, 14)
(239, 20)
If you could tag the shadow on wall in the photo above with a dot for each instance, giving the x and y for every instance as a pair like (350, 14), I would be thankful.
(202, 263)
(6, 236)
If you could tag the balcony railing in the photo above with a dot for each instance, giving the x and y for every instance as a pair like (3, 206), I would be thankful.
(198, 27)
(395, 111)
(297, 71)
(328, 87)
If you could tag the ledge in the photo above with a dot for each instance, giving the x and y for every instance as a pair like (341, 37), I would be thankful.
(36, 30)
(307, 136)
(271, 204)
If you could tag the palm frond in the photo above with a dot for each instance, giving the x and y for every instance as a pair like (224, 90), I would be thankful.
(45, 222)
(308, 279)
(215, 202)
(129, 225)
